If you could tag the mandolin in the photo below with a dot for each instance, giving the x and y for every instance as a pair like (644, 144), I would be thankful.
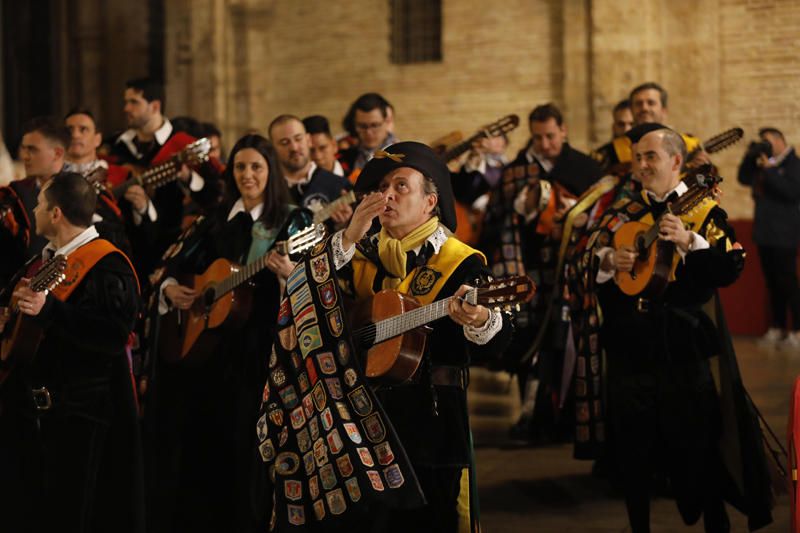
(21, 336)
(651, 270)
(159, 175)
(389, 327)
(223, 299)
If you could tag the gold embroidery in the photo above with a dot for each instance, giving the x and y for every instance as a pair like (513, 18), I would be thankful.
(397, 158)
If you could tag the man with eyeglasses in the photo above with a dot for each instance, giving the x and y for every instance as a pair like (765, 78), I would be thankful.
(370, 120)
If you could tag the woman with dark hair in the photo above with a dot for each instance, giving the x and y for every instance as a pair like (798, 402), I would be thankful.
(215, 458)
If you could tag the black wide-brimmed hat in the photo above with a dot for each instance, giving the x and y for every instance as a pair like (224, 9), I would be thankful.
(420, 157)
(637, 132)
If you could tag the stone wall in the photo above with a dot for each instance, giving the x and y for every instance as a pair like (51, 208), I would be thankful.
(725, 62)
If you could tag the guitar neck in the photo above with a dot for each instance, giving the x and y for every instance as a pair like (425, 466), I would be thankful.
(397, 325)
(682, 205)
(325, 213)
(297, 243)
(461, 147)
(242, 275)
(153, 177)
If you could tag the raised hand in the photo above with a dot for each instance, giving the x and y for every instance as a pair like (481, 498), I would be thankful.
(370, 207)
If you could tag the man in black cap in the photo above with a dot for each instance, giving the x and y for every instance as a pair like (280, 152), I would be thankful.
(414, 252)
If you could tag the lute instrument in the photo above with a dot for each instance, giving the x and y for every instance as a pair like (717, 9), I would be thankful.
(390, 328)
(654, 257)
(152, 178)
(21, 335)
(224, 299)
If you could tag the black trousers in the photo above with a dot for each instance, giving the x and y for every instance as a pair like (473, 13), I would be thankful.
(780, 271)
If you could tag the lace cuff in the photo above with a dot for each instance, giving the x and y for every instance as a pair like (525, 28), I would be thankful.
(483, 334)
(163, 305)
(341, 256)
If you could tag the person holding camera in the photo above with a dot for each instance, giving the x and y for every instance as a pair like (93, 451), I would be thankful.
(772, 169)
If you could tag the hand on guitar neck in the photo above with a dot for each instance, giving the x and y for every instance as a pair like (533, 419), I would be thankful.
(183, 297)
(280, 264)
(464, 314)
(670, 228)
(30, 302)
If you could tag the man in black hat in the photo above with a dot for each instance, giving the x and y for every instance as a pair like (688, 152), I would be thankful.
(410, 196)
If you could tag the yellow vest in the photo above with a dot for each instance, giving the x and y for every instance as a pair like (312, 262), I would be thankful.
(423, 282)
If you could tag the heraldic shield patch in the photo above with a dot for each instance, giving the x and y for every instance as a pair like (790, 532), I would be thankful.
(322, 433)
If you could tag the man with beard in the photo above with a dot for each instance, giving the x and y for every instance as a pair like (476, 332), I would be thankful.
(151, 137)
(311, 186)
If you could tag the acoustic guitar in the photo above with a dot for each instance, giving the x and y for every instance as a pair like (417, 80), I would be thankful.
(468, 220)
(21, 335)
(654, 257)
(159, 175)
(390, 326)
(223, 300)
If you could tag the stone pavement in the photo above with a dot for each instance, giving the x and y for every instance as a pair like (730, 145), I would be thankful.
(542, 489)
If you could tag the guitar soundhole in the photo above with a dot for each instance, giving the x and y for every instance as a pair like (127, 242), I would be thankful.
(209, 296)
(641, 247)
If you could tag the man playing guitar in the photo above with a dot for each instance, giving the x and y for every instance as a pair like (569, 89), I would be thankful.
(68, 424)
(415, 253)
(663, 405)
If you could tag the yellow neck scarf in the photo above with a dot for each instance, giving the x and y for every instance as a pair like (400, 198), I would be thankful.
(392, 252)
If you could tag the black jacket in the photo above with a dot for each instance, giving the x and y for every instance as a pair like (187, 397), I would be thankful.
(776, 192)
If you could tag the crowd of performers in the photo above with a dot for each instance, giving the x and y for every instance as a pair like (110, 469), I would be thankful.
(188, 345)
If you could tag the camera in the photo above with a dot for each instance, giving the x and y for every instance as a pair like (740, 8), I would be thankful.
(757, 148)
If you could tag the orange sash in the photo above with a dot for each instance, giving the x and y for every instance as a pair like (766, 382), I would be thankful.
(81, 261)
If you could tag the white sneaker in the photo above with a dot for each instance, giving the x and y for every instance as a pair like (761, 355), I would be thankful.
(771, 337)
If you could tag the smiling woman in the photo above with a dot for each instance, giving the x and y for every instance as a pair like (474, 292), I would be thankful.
(228, 373)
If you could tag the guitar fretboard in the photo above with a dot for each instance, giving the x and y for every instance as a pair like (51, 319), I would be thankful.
(325, 213)
(240, 275)
(302, 240)
(397, 325)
